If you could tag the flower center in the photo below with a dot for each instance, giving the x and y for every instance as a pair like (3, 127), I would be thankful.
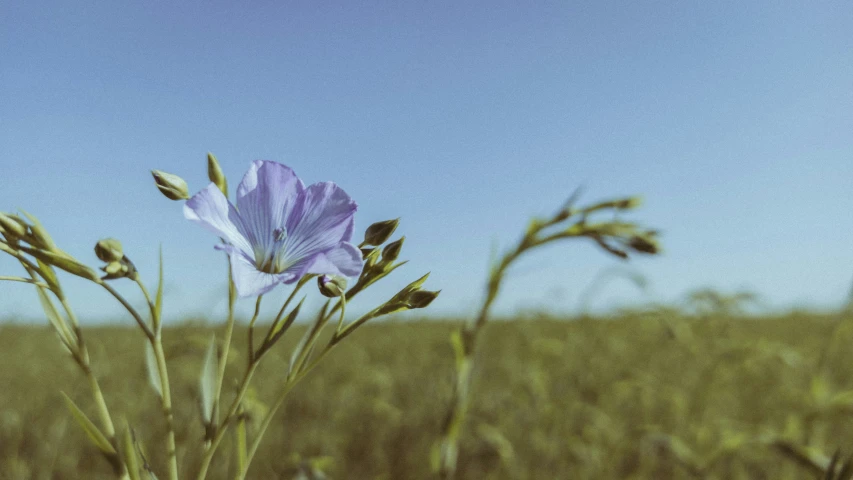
(270, 260)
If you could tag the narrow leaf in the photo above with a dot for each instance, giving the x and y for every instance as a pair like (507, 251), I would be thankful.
(56, 320)
(128, 452)
(95, 435)
(158, 298)
(207, 381)
(151, 366)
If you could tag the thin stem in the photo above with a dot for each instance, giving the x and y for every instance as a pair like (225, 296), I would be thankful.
(222, 428)
(251, 355)
(83, 357)
(265, 423)
(171, 451)
(155, 320)
(130, 309)
(226, 345)
(24, 280)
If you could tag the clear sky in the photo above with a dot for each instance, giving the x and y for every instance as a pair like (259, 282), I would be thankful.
(733, 119)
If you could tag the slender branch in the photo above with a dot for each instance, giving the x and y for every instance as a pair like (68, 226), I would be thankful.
(130, 309)
(222, 428)
(251, 355)
(226, 345)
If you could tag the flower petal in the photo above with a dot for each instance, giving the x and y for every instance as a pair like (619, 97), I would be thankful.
(249, 281)
(267, 197)
(325, 221)
(344, 260)
(210, 209)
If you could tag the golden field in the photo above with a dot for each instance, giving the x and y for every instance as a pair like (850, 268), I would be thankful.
(653, 395)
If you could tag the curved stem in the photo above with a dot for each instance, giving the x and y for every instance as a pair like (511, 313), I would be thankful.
(129, 308)
(155, 320)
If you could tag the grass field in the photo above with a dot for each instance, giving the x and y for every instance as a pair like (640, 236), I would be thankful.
(640, 396)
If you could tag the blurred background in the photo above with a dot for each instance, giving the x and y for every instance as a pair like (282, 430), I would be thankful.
(733, 121)
(725, 357)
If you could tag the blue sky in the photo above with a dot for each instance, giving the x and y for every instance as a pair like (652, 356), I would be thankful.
(733, 119)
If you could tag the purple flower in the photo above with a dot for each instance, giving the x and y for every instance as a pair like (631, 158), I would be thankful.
(280, 230)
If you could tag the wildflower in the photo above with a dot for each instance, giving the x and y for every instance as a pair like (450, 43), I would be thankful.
(279, 230)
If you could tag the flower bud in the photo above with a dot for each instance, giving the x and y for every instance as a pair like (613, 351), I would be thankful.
(214, 173)
(392, 250)
(123, 268)
(332, 286)
(421, 298)
(172, 186)
(12, 226)
(644, 244)
(109, 250)
(380, 232)
(371, 258)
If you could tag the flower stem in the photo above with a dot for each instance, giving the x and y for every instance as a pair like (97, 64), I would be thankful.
(226, 345)
(251, 354)
(223, 426)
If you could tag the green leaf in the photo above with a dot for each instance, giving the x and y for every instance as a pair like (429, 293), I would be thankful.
(62, 261)
(207, 381)
(95, 435)
(128, 451)
(56, 320)
(153, 372)
(49, 275)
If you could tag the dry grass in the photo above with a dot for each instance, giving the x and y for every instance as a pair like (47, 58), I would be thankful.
(552, 399)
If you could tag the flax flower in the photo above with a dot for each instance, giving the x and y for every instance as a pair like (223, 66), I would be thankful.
(279, 230)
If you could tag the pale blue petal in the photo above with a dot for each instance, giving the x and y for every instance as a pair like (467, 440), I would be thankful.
(210, 209)
(326, 221)
(251, 282)
(344, 260)
(268, 196)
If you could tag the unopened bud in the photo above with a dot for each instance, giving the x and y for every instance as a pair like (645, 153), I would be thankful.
(408, 289)
(421, 298)
(109, 250)
(392, 250)
(123, 268)
(644, 244)
(214, 173)
(371, 258)
(332, 286)
(380, 232)
(172, 186)
(12, 226)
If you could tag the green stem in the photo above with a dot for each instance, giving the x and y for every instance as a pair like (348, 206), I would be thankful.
(251, 355)
(130, 309)
(223, 426)
(229, 329)
(171, 451)
(265, 423)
